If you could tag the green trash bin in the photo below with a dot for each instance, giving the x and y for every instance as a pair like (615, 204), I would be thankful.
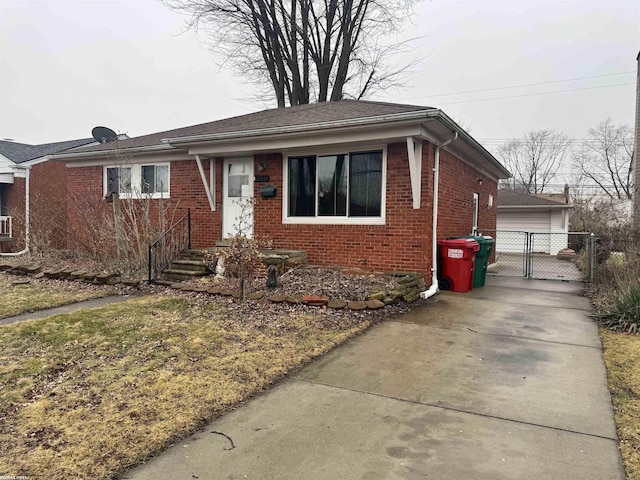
(482, 258)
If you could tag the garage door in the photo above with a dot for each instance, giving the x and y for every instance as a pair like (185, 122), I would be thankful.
(512, 226)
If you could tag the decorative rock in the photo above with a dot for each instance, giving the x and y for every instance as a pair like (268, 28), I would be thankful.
(201, 289)
(214, 290)
(39, 275)
(226, 293)
(411, 297)
(66, 273)
(89, 276)
(374, 304)
(294, 299)
(21, 282)
(77, 274)
(52, 273)
(277, 298)
(32, 269)
(105, 277)
(390, 301)
(378, 295)
(315, 300)
(357, 305)
(337, 304)
(566, 254)
(177, 286)
(5, 266)
(131, 283)
(236, 294)
(255, 295)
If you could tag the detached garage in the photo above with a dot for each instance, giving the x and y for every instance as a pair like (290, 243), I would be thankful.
(520, 213)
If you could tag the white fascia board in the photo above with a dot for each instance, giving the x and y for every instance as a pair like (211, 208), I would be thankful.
(6, 177)
(108, 155)
(278, 143)
(534, 207)
(36, 161)
(5, 162)
(170, 156)
(306, 129)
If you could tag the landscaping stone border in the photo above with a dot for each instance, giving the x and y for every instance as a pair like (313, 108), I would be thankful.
(37, 271)
(407, 289)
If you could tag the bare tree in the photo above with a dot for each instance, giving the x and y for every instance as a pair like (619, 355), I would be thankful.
(305, 50)
(534, 159)
(606, 159)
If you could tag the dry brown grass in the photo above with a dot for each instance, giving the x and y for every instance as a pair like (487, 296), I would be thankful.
(622, 357)
(38, 295)
(89, 394)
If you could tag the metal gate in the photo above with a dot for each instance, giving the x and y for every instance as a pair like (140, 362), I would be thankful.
(543, 255)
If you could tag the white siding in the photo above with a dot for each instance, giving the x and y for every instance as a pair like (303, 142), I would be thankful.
(522, 221)
(549, 222)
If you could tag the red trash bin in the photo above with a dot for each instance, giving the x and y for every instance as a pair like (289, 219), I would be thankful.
(457, 258)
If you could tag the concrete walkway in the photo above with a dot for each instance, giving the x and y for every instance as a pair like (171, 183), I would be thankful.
(71, 307)
(504, 382)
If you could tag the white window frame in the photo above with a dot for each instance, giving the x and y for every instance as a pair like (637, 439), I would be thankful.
(476, 213)
(136, 180)
(331, 220)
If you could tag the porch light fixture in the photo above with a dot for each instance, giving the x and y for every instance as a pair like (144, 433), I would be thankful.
(479, 180)
(261, 166)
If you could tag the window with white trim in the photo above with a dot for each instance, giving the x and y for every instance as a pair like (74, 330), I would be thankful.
(138, 181)
(338, 188)
(476, 209)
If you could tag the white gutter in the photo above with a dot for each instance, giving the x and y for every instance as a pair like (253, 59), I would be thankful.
(27, 169)
(433, 289)
(301, 129)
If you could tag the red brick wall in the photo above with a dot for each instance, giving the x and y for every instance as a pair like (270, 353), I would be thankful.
(404, 243)
(48, 202)
(186, 191)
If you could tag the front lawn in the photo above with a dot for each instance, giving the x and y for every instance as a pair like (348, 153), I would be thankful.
(622, 357)
(91, 393)
(41, 294)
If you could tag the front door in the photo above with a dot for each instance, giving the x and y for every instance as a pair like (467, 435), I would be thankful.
(237, 197)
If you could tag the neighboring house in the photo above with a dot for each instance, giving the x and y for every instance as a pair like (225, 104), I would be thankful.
(349, 182)
(25, 172)
(520, 212)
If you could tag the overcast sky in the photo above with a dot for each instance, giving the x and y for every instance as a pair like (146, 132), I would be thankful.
(500, 68)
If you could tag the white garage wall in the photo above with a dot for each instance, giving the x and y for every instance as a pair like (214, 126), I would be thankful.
(511, 224)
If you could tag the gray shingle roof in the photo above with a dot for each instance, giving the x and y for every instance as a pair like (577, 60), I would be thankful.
(278, 117)
(510, 198)
(22, 152)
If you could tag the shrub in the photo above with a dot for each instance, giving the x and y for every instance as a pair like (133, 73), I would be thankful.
(621, 309)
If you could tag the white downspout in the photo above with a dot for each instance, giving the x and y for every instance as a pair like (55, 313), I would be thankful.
(27, 169)
(433, 289)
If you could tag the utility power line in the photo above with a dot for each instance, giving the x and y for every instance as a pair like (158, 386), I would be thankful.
(525, 85)
(536, 94)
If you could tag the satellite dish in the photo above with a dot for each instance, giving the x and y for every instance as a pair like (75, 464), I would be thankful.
(103, 134)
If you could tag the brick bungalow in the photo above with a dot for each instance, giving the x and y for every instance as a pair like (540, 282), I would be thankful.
(349, 182)
(26, 174)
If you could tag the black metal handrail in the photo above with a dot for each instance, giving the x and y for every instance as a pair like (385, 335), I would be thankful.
(169, 245)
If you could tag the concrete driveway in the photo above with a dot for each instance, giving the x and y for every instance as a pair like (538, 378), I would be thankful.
(504, 382)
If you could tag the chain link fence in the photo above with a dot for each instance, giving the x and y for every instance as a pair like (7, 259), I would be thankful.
(547, 256)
